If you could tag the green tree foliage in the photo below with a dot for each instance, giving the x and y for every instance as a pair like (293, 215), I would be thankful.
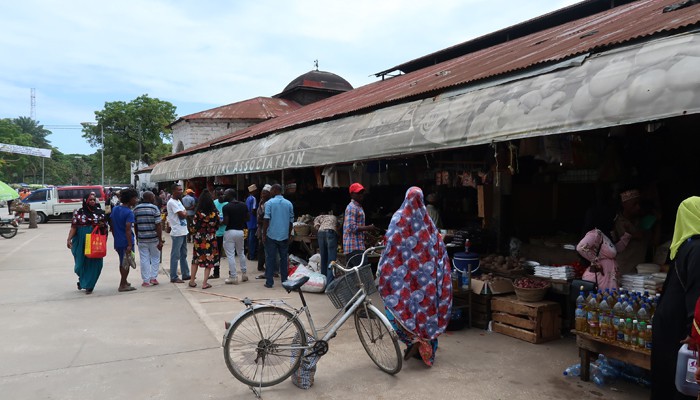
(38, 133)
(60, 169)
(132, 131)
(13, 166)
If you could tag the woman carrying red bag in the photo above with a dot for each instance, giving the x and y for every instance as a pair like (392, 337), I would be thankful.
(84, 221)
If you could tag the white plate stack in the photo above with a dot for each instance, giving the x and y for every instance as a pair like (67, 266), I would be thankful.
(642, 283)
(565, 272)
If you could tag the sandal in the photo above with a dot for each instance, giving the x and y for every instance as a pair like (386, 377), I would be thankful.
(192, 284)
(126, 289)
(206, 286)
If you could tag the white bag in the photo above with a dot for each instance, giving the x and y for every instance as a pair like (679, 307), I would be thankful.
(316, 282)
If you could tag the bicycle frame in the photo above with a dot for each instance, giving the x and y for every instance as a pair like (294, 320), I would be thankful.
(359, 299)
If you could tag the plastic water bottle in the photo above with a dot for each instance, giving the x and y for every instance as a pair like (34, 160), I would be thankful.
(643, 314)
(581, 323)
(593, 322)
(648, 344)
(574, 370)
(686, 365)
(581, 299)
(620, 333)
(604, 318)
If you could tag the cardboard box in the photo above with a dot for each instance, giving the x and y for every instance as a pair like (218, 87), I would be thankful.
(497, 286)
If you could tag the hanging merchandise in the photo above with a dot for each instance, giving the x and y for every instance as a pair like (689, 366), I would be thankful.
(330, 177)
(513, 153)
(445, 177)
(468, 179)
(495, 157)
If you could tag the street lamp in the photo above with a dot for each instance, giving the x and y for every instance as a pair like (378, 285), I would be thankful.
(102, 140)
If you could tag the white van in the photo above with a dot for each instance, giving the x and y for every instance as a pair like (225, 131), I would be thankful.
(60, 202)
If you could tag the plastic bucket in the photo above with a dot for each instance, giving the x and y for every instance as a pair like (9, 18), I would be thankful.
(466, 261)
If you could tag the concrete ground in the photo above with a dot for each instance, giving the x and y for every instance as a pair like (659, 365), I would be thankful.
(164, 342)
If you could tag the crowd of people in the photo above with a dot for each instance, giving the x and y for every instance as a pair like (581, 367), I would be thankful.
(215, 225)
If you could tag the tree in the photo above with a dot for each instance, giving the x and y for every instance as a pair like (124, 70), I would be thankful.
(132, 131)
(13, 166)
(38, 133)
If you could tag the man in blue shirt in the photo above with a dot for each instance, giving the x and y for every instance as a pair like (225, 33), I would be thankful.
(277, 226)
(121, 221)
(252, 203)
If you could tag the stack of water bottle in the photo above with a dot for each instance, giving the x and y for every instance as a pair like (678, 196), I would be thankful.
(617, 315)
(606, 370)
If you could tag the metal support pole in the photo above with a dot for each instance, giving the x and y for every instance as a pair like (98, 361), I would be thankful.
(102, 134)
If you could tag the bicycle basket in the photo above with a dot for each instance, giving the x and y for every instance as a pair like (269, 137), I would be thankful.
(344, 287)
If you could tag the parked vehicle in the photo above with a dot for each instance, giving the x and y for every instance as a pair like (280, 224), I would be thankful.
(60, 202)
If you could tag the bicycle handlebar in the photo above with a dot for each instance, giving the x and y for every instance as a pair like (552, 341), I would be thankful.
(362, 260)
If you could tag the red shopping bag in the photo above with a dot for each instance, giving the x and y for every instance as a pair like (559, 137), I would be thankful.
(95, 244)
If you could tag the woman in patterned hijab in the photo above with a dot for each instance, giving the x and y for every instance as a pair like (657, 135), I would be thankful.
(415, 278)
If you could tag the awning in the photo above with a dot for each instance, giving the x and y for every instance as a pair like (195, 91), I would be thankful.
(654, 80)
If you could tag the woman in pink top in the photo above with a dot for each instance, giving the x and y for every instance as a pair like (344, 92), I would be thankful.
(601, 252)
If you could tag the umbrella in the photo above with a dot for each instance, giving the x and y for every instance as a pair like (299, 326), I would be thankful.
(7, 193)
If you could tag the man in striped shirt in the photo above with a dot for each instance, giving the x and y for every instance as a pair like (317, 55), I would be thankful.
(149, 238)
(354, 227)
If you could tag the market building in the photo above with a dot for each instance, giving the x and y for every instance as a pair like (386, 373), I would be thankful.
(523, 134)
(542, 112)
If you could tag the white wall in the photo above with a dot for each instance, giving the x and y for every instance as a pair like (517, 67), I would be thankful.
(194, 132)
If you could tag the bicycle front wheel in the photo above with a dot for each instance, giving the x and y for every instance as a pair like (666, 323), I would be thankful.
(8, 233)
(379, 340)
(265, 346)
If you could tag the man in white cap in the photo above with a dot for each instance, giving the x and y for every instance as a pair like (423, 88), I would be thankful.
(252, 203)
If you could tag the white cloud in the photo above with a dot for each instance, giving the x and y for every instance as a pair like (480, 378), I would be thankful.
(81, 54)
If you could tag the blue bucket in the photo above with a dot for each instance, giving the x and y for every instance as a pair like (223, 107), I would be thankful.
(466, 262)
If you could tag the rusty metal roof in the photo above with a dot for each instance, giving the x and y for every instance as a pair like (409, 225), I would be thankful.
(260, 108)
(549, 20)
(597, 32)
(318, 80)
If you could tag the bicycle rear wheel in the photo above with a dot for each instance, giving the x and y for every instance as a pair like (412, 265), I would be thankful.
(264, 346)
(379, 340)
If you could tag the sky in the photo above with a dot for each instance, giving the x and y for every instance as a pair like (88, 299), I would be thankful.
(200, 54)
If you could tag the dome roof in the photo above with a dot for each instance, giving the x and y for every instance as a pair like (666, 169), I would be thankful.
(319, 80)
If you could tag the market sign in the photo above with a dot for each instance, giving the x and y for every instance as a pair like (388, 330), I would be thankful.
(29, 151)
(643, 82)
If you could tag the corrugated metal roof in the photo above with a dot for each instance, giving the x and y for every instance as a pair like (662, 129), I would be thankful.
(593, 33)
(319, 80)
(546, 21)
(256, 108)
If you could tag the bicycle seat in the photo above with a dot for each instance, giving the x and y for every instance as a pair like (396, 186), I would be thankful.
(290, 286)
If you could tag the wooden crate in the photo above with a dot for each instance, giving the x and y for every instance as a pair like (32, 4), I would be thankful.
(536, 322)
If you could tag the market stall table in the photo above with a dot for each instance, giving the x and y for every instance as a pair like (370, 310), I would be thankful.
(590, 346)
(308, 243)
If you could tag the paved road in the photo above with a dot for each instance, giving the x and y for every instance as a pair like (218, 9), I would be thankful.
(164, 342)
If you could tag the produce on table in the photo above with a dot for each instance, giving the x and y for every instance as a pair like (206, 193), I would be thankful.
(530, 283)
(503, 265)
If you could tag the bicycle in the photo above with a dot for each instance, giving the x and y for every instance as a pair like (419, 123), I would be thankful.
(264, 345)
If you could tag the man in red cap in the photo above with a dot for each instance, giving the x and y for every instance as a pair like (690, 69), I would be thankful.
(354, 226)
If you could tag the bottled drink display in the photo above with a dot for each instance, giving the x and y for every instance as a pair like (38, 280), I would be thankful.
(617, 316)
(581, 322)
